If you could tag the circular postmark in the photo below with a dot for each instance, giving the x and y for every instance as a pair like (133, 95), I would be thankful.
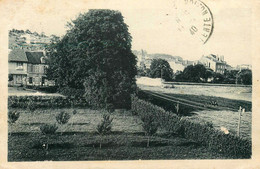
(195, 18)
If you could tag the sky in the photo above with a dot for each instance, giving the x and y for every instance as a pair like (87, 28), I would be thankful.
(152, 25)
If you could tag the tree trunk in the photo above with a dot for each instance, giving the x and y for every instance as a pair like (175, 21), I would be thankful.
(100, 142)
(148, 141)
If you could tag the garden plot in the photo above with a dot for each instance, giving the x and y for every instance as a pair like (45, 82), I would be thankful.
(78, 139)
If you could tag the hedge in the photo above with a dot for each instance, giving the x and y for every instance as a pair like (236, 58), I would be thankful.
(201, 132)
(45, 102)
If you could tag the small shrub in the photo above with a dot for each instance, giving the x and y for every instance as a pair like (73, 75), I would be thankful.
(31, 105)
(48, 128)
(105, 125)
(13, 116)
(74, 112)
(62, 117)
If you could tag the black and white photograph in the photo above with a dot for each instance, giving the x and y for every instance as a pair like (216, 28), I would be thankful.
(129, 81)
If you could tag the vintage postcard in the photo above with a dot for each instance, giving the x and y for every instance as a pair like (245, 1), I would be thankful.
(129, 84)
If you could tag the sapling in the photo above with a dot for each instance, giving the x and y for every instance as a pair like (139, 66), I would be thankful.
(150, 125)
(63, 117)
(47, 130)
(104, 127)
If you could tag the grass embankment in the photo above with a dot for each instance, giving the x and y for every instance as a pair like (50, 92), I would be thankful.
(205, 102)
(222, 112)
(221, 102)
(78, 140)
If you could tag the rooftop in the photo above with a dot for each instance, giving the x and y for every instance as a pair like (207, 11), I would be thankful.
(17, 55)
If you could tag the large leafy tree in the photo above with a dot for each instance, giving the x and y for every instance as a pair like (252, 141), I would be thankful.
(95, 55)
(160, 68)
(245, 77)
(197, 73)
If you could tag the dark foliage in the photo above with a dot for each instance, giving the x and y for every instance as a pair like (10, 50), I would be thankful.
(160, 68)
(34, 102)
(63, 117)
(105, 126)
(13, 116)
(10, 78)
(95, 55)
(197, 73)
(245, 77)
(48, 128)
(73, 92)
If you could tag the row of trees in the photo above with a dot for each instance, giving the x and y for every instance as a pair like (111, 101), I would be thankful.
(160, 68)
(95, 56)
(199, 73)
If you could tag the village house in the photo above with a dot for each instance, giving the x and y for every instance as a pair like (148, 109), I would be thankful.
(36, 72)
(17, 67)
(27, 68)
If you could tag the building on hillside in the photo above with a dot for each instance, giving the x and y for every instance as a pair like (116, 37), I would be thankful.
(176, 66)
(244, 66)
(214, 62)
(229, 67)
(17, 67)
(140, 55)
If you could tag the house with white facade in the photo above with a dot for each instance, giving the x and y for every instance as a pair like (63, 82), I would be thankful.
(214, 62)
(17, 67)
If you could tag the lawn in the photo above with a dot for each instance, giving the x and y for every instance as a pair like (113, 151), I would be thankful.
(227, 119)
(78, 140)
(233, 93)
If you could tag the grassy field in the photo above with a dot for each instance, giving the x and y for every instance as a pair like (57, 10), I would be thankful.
(78, 140)
(233, 93)
(223, 118)
(227, 119)
(222, 102)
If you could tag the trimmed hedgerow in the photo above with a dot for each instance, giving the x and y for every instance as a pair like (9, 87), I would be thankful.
(34, 102)
(201, 132)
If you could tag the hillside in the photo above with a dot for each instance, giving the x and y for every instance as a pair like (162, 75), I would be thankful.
(27, 40)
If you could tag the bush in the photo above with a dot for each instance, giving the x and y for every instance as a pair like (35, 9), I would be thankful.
(74, 112)
(201, 132)
(13, 116)
(62, 117)
(48, 128)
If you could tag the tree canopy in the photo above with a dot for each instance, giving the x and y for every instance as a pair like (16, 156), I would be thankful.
(95, 55)
(160, 68)
(196, 73)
